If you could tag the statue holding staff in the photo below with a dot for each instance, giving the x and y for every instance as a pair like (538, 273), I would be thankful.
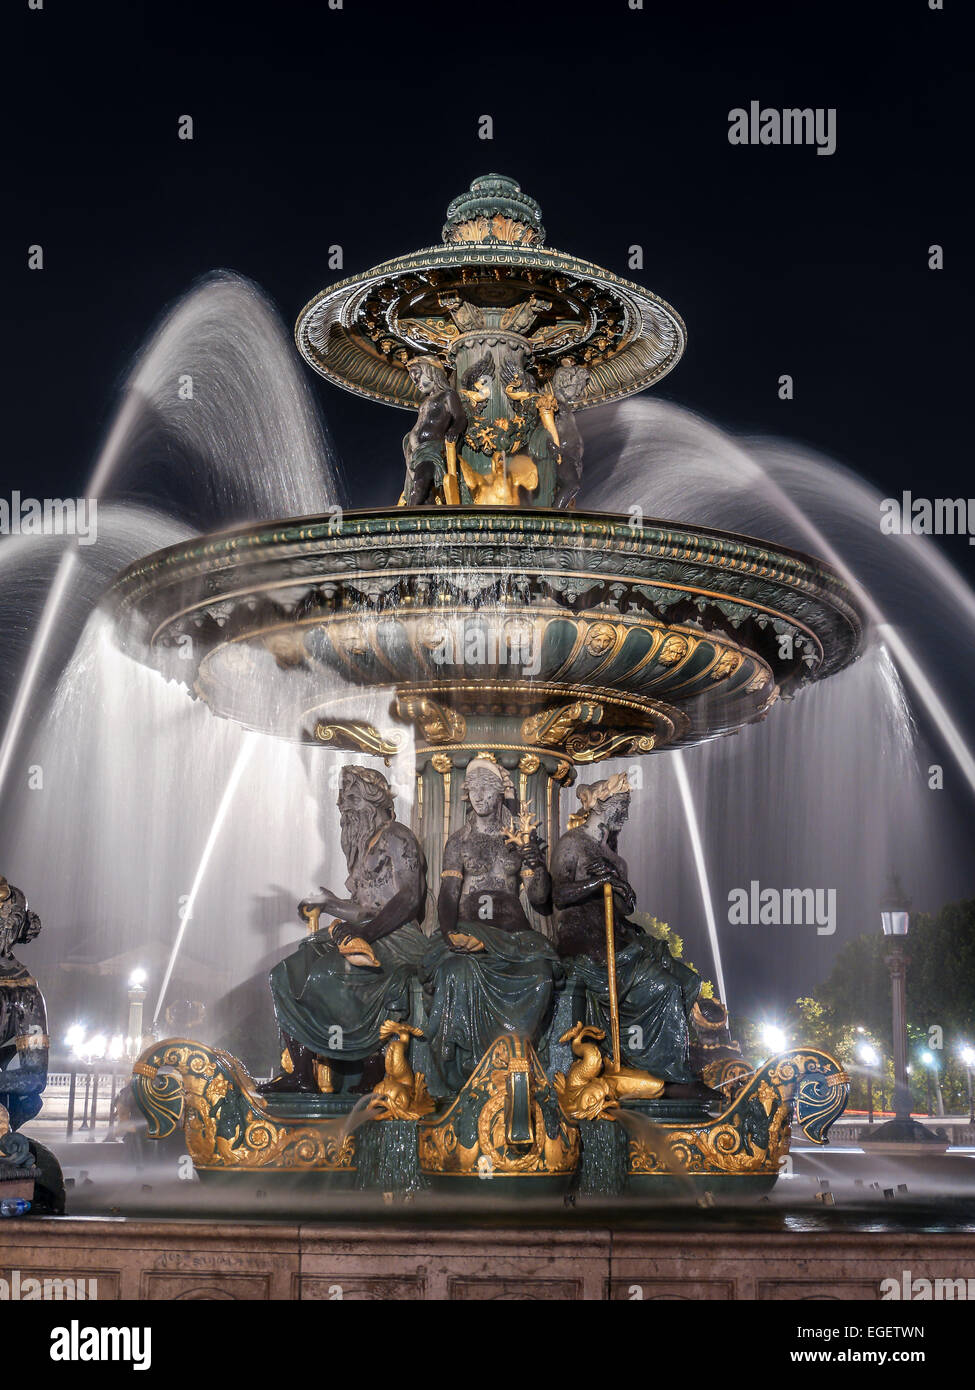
(654, 992)
(24, 1041)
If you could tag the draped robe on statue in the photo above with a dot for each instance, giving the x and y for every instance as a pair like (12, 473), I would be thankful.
(508, 986)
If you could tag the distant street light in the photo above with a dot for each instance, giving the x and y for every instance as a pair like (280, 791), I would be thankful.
(774, 1038)
(931, 1063)
(968, 1057)
(137, 995)
(869, 1057)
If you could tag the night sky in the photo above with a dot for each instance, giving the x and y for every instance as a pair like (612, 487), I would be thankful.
(357, 126)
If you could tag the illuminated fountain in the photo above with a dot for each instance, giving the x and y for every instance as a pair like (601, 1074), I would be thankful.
(485, 621)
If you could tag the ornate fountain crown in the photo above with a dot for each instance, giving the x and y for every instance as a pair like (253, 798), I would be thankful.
(492, 271)
(494, 209)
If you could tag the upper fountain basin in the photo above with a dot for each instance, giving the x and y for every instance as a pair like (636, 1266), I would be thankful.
(667, 634)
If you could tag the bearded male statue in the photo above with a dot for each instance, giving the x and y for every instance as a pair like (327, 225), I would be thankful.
(332, 994)
(656, 992)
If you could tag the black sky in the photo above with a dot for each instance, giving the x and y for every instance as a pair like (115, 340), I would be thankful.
(357, 126)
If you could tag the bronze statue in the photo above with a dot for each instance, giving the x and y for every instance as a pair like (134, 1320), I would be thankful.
(568, 385)
(655, 992)
(430, 448)
(332, 995)
(23, 1017)
(489, 972)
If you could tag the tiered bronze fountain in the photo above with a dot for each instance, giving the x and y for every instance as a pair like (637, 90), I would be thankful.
(535, 1034)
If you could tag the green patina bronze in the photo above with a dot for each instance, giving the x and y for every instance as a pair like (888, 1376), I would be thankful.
(513, 630)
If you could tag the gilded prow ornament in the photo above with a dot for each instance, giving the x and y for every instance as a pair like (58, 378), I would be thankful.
(402, 1094)
(593, 1085)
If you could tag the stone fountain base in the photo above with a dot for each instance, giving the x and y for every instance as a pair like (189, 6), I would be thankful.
(177, 1260)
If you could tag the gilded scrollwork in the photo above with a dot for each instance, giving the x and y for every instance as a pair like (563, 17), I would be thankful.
(359, 737)
(481, 1131)
(437, 723)
(227, 1124)
(753, 1133)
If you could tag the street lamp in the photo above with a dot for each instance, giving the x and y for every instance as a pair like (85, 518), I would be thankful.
(137, 994)
(968, 1057)
(895, 919)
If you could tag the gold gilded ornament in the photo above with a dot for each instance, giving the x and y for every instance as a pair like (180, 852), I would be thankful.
(402, 1094)
(593, 1084)
(227, 1124)
(509, 1096)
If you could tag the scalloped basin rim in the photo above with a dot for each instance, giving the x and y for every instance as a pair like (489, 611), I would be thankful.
(674, 632)
(322, 521)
